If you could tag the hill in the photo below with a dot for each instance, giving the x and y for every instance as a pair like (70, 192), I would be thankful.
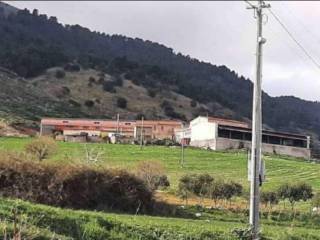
(34, 42)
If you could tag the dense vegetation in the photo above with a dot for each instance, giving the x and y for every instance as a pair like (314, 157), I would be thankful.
(73, 186)
(33, 42)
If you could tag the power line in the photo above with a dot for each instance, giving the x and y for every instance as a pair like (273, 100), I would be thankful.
(294, 39)
(251, 5)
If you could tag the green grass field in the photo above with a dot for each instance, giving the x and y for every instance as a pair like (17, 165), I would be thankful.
(43, 222)
(226, 165)
(67, 224)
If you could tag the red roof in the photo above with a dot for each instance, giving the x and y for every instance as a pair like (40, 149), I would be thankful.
(104, 123)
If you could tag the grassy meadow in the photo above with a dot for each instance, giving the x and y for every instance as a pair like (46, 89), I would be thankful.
(55, 223)
(43, 222)
(226, 165)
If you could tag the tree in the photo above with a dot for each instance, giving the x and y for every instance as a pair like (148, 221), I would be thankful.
(151, 172)
(122, 102)
(295, 192)
(41, 148)
(230, 190)
(216, 191)
(193, 103)
(89, 103)
(186, 186)
(60, 73)
(316, 200)
(202, 185)
(269, 198)
(283, 192)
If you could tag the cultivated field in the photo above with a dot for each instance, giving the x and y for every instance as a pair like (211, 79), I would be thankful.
(54, 223)
(226, 165)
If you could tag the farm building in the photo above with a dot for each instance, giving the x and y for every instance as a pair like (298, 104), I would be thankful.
(152, 129)
(222, 134)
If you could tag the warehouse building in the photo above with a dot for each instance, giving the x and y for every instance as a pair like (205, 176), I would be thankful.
(223, 134)
(95, 129)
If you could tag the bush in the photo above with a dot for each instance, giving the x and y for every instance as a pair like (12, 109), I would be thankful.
(122, 102)
(186, 186)
(216, 191)
(269, 198)
(89, 103)
(92, 80)
(295, 192)
(152, 93)
(41, 148)
(152, 173)
(60, 73)
(72, 186)
(316, 200)
(230, 190)
(109, 87)
(193, 103)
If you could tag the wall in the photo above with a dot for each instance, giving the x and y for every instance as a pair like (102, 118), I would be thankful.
(201, 130)
(225, 143)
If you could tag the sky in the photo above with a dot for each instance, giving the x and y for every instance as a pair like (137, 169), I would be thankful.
(219, 32)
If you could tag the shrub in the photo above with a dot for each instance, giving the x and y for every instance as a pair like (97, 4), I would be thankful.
(118, 81)
(186, 186)
(89, 103)
(60, 73)
(295, 192)
(92, 80)
(230, 190)
(316, 200)
(72, 186)
(41, 148)
(122, 102)
(269, 198)
(152, 93)
(202, 185)
(216, 191)
(193, 103)
(150, 172)
(109, 87)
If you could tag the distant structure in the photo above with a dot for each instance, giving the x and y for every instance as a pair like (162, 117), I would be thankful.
(204, 132)
(81, 130)
(222, 134)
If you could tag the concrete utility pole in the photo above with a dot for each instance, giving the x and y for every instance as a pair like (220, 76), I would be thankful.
(141, 133)
(256, 126)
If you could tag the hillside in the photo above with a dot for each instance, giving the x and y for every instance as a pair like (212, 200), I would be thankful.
(34, 42)
(43, 222)
(224, 165)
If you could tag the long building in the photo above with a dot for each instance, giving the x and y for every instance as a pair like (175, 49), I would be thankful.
(223, 134)
(155, 129)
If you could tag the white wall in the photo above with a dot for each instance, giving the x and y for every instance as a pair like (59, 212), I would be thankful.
(202, 129)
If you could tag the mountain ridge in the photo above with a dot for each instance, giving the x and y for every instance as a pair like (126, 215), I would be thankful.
(34, 42)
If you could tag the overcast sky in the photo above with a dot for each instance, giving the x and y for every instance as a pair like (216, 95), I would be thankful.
(222, 33)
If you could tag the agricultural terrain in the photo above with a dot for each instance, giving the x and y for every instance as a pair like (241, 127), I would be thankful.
(55, 223)
(43, 222)
(229, 165)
